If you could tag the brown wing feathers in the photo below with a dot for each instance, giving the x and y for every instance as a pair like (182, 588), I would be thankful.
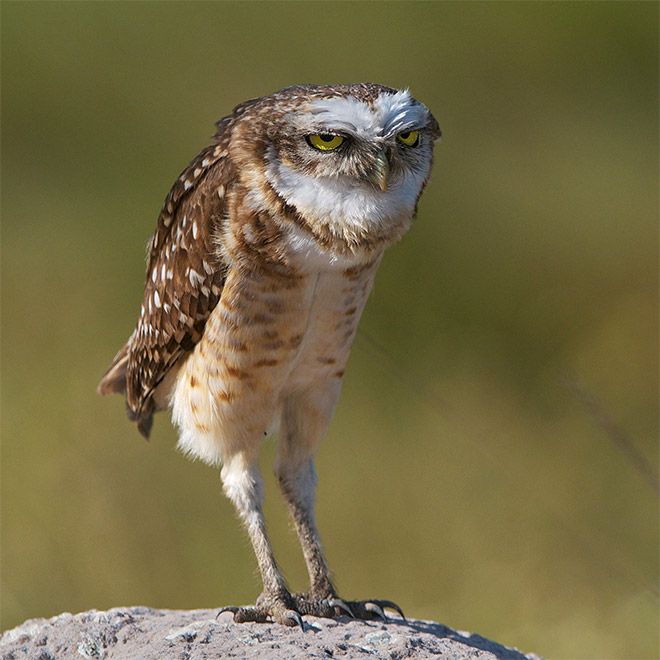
(183, 284)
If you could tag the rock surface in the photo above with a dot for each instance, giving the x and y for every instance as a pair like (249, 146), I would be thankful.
(144, 633)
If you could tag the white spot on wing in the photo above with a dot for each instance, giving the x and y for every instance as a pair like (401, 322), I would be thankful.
(195, 277)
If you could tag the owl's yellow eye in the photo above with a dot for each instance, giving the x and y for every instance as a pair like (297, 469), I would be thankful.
(325, 141)
(409, 138)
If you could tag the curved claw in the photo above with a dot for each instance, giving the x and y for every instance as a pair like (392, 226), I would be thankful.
(231, 609)
(339, 603)
(292, 618)
(246, 614)
(390, 605)
(376, 609)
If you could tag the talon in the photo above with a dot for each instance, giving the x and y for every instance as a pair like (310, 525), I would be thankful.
(392, 606)
(376, 609)
(340, 604)
(292, 618)
(231, 609)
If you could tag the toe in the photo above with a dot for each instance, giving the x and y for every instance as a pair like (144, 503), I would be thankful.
(314, 607)
(290, 618)
(231, 609)
(340, 606)
(390, 605)
(373, 609)
(376, 609)
(246, 614)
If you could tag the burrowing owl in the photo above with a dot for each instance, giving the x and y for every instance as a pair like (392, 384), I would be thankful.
(264, 255)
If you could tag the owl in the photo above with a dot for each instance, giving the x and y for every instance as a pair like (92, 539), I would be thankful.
(262, 260)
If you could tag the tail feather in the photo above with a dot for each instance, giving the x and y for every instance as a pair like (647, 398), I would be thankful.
(144, 419)
(114, 382)
(114, 379)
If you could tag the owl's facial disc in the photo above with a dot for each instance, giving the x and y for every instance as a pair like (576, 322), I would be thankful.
(353, 166)
(370, 144)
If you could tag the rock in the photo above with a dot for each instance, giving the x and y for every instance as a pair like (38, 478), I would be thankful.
(141, 633)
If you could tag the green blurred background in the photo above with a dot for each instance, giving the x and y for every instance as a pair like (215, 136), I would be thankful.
(464, 474)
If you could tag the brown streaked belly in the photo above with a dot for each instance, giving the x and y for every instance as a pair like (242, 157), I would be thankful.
(262, 341)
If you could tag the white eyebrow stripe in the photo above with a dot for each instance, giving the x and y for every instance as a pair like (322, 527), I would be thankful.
(400, 112)
(347, 113)
(389, 114)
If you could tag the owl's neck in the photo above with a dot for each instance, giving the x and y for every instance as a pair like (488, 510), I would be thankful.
(347, 208)
(338, 222)
(263, 230)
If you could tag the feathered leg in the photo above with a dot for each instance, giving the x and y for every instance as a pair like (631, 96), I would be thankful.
(304, 422)
(298, 484)
(242, 485)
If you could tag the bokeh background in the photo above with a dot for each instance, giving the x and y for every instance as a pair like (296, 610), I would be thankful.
(493, 460)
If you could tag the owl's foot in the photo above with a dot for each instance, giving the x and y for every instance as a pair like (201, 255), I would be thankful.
(280, 609)
(328, 608)
(373, 609)
(287, 610)
(332, 607)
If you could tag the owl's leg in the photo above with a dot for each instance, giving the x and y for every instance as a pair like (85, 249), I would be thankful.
(298, 487)
(243, 486)
(304, 421)
(298, 484)
(305, 417)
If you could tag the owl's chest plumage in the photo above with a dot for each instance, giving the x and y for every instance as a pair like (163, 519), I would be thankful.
(275, 331)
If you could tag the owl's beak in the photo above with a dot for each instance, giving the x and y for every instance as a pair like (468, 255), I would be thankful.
(380, 171)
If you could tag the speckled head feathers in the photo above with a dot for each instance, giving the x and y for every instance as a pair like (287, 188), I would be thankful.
(367, 186)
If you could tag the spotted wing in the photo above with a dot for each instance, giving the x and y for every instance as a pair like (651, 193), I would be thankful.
(184, 281)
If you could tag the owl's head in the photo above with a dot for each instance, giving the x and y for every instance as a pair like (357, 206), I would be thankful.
(351, 160)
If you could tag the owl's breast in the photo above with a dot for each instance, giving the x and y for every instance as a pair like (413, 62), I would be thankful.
(336, 305)
(310, 253)
(270, 335)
